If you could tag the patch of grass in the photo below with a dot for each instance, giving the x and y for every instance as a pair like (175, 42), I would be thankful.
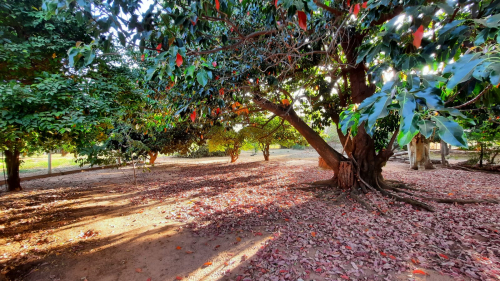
(37, 163)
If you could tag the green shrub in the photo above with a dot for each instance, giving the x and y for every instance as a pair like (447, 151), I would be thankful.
(201, 152)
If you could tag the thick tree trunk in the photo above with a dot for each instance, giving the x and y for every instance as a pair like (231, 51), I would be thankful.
(265, 151)
(419, 153)
(362, 148)
(152, 157)
(13, 163)
(330, 155)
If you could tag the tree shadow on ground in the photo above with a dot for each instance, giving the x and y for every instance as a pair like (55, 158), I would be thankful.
(245, 218)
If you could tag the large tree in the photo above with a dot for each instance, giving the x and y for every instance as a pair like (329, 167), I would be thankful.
(352, 63)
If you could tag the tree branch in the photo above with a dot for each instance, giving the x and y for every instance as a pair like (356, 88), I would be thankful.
(474, 99)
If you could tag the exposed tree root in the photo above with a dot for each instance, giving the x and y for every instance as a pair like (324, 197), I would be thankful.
(340, 197)
(405, 199)
(443, 200)
(402, 191)
(402, 185)
(388, 194)
(329, 182)
(360, 201)
(389, 191)
(459, 201)
(458, 167)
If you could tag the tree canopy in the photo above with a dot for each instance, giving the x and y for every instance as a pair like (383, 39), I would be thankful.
(368, 67)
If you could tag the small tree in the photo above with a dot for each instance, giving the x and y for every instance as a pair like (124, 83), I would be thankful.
(44, 115)
(229, 140)
(266, 132)
(486, 135)
(41, 106)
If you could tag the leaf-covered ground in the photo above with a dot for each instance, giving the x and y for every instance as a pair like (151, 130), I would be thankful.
(248, 221)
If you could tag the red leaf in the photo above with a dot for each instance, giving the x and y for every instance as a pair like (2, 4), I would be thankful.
(258, 233)
(179, 60)
(417, 36)
(418, 271)
(217, 111)
(302, 20)
(217, 4)
(313, 234)
(179, 247)
(193, 116)
(138, 270)
(276, 3)
(356, 9)
(158, 48)
(444, 256)
(149, 279)
(142, 57)
(392, 257)
(178, 278)
(383, 254)
(214, 64)
(364, 5)
(207, 264)
(348, 3)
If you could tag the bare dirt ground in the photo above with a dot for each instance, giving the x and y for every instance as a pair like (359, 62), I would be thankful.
(206, 219)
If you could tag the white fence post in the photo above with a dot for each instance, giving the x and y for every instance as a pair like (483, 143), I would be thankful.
(50, 163)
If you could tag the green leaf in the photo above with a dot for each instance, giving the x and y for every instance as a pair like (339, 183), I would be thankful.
(370, 100)
(493, 21)
(378, 109)
(74, 56)
(202, 77)
(432, 97)
(426, 127)
(150, 73)
(405, 138)
(407, 111)
(123, 41)
(450, 132)
(463, 74)
(190, 71)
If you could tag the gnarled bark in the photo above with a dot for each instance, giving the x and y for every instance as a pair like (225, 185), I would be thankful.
(419, 153)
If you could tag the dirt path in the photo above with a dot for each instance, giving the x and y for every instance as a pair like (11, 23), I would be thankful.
(192, 219)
